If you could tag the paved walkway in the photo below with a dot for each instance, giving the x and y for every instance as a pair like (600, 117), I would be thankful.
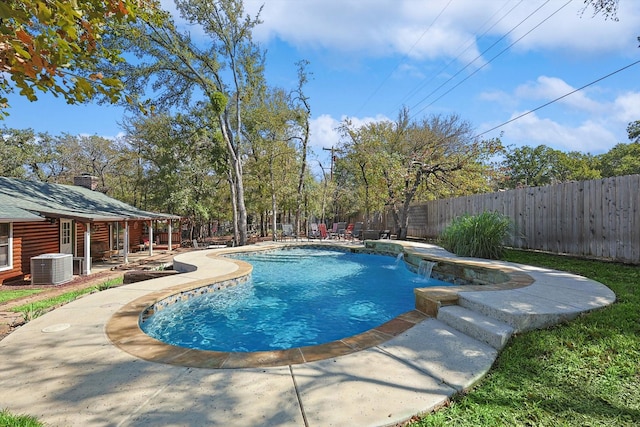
(63, 369)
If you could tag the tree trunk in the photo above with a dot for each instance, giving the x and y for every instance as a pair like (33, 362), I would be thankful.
(242, 209)
(234, 207)
(303, 169)
(274, 205)
(237, 186)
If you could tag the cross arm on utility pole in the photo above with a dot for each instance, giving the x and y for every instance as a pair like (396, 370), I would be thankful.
(333, 157)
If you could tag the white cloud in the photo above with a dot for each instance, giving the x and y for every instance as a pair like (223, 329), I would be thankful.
(324, 135)
(324, 129)
(588, 136)
(549, 88)
(627, 107)
(441, 28)
(324, 132)
(499, 97)
(573, 32)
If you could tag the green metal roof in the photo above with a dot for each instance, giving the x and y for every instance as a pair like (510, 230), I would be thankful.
(22, 200)
(14, 214)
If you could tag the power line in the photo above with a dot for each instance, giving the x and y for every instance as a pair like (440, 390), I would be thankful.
(422, 85)
(403, 58)
(481, 54)
(557, 99)
(492, 59)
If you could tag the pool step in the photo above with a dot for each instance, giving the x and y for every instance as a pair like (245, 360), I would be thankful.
(476, 325)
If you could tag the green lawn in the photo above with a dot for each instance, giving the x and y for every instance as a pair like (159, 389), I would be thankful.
(38, 308)
(585, 373)
(8, 295)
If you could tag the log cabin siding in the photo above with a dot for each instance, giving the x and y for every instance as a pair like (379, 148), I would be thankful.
(135, 235)
(30, 239)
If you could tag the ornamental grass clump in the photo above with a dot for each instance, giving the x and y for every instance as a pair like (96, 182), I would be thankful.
(480, 236)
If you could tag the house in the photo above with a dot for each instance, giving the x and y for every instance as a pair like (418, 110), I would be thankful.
(39, 218)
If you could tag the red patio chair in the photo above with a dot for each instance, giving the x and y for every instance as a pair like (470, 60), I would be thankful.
(322, 228)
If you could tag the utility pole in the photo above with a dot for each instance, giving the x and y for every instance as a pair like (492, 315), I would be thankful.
(332, 149)
(333, 157)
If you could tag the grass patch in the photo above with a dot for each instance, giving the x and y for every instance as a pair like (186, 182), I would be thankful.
(36, 309)
(8, 419)
(17, 293)
(110, 283)
(584, 373)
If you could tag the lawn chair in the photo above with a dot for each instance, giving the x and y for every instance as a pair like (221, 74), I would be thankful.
(287, 232)
(314, 233)
(333, 233)
(322, 229)
(348, 231)
(357, 231)
(338, 230)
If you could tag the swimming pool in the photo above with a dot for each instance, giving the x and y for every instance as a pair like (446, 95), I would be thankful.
(297, 297)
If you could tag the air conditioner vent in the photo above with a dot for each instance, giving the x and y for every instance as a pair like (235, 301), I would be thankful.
(51, 269)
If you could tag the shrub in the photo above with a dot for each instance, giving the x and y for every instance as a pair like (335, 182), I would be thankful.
(480, 236)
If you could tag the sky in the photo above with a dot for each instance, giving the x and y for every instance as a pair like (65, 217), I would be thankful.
(508, 67)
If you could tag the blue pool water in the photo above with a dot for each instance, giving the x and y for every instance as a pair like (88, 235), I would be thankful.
(296, 297)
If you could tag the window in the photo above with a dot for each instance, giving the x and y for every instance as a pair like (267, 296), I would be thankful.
(5, 246)
(66, 232)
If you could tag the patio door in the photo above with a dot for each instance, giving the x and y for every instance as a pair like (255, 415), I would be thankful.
(66, 236)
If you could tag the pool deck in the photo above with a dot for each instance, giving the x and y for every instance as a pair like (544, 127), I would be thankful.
(63, 368)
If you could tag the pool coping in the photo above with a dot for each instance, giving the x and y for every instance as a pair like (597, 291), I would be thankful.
(123, 328)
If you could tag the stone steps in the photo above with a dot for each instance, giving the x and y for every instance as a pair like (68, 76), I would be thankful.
(476, 325)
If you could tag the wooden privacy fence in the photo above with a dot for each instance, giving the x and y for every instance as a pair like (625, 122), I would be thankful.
(598, 218)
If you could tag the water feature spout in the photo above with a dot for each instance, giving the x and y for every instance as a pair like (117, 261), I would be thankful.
(399, 259)
(425, 268)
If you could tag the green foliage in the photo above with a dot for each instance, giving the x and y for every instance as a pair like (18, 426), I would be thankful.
(37, 309)
(480, 236)
(218, 102)
(55, 46)
(176, 72)
(623, 159)
(270, 128)
(110, 284)
(534, 167)
(410, 160)
(16, 150)
(177, 164)
(9, 420)
(541, 165)
(584, 373)
(18, 293)
(633, 131)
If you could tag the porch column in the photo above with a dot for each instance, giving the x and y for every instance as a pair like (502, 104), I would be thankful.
(86, 265)
(169, 247)
(125, 249)
(150, 237)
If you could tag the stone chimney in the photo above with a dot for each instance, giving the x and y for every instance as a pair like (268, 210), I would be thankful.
(87, 181)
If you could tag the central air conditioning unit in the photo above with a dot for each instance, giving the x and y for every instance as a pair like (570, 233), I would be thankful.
(51, 269)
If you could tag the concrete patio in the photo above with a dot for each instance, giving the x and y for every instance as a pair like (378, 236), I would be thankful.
(63, 368)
